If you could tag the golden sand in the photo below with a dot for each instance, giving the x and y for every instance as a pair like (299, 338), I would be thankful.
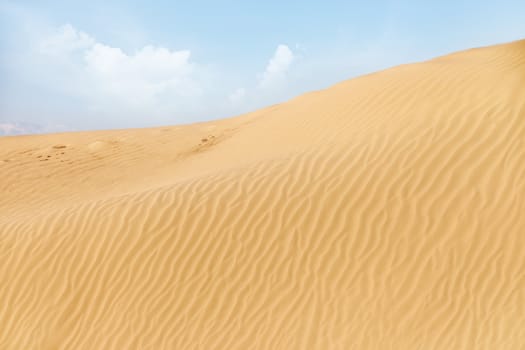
(386, 212)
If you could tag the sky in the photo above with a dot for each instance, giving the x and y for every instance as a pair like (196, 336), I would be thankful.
(71, 65)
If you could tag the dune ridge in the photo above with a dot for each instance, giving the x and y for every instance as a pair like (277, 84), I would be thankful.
(386, 212)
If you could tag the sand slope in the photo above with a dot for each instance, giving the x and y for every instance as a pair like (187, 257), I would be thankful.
(387, 212)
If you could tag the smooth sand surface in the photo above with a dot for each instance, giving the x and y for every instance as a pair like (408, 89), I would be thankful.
(386, 212)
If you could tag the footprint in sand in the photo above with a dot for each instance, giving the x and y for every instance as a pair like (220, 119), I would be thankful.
(207, 140)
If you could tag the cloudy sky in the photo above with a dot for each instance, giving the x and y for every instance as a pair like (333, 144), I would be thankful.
(71, 65)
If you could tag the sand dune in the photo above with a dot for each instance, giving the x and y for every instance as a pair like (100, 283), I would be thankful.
(386, 212)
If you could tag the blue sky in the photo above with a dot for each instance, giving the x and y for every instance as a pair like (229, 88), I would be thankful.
(69, 65)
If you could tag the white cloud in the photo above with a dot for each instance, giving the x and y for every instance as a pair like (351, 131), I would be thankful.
(277, 67)
(65, 41)
(143, 76)
(152, 80)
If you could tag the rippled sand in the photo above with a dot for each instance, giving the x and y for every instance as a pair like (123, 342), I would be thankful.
(386, 212)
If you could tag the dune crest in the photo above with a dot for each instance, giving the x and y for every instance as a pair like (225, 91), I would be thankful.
(386, 212)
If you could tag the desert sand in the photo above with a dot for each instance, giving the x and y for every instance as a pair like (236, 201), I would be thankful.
(386, 212)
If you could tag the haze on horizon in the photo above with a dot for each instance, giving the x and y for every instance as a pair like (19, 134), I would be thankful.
(91, 65)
